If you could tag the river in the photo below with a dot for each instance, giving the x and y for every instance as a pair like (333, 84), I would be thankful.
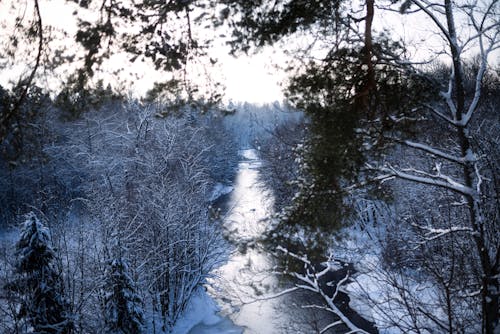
(241, 286)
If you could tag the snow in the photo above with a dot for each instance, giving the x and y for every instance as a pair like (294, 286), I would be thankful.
(201, 316)
(371, 295)
(8, 236)
(360, 247)
(249, 154)
(219, 191)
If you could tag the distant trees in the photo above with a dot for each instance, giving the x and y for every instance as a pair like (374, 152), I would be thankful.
(149, 181)
(281, 150)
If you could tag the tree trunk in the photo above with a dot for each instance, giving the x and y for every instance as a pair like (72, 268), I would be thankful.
(362, 99)
(489, 283)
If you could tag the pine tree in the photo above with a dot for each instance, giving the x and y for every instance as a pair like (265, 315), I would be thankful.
(123, 310)
(37, 282)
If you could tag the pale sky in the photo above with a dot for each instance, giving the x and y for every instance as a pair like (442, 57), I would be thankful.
(247, 78)
(251, 79)
(254, 78)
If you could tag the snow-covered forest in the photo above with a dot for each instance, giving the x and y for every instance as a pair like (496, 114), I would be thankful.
(123, 189)
(137, 197)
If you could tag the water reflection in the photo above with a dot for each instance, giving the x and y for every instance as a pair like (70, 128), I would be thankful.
(244, 282)
(246, 275)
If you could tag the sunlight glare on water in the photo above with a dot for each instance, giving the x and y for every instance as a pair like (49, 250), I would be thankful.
(243, 285)
(246, 276)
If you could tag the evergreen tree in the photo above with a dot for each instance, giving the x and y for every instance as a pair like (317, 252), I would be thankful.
(123, 311)
(37, 282)
(350, 83)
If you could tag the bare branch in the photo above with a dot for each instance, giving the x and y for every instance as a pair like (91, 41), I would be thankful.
(311, 283)
(433, 17)
(437, 180)
(441, 115)
(433, 151)
(435, 233)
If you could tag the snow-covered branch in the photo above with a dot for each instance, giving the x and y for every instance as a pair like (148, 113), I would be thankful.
(438, 113)
(434, 151)
(448, 95)
(438, 180)
(310, 280)
(435, 233)
(480, 75)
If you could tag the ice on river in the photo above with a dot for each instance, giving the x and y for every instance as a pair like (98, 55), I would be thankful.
(249, 154)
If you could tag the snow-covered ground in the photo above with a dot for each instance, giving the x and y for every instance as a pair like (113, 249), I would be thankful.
(8, 236)
(201, 316)
(220, 190)
(372, 289)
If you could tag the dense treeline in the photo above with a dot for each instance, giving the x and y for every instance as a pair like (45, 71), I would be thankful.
(123, 192)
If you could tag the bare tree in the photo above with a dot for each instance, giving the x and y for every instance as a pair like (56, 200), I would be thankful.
(458, 167)
(148, 181)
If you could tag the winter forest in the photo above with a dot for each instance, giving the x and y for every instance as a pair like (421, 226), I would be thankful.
(142, 192)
